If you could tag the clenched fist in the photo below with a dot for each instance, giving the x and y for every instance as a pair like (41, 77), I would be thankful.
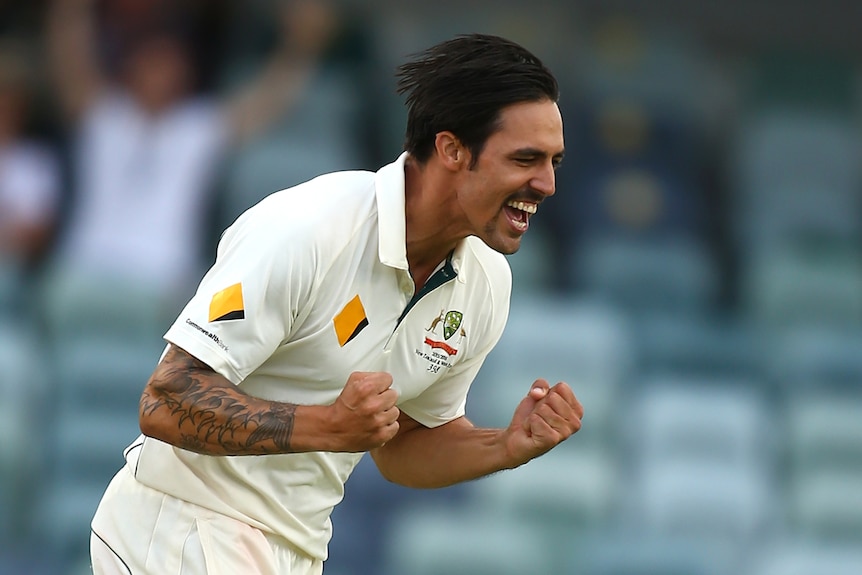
(364, 415)
(543, 419)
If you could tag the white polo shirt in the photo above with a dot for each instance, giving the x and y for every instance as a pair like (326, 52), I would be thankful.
(308, 286)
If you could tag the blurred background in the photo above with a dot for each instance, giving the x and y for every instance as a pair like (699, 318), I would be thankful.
(697, 278)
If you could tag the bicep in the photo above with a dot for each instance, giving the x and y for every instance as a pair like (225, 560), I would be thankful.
(179, 381)
(179, 371)
(189, 405)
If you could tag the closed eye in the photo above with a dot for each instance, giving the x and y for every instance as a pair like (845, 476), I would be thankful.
(530, 158)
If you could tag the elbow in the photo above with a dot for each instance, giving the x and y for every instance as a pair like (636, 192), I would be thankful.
(388, 472)
(147, 425)
(149, 416)
(389, 469)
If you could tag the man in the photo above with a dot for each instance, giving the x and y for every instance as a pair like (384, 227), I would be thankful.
(308, 341)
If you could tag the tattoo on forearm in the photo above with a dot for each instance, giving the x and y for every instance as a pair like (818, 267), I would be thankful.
(215, 419)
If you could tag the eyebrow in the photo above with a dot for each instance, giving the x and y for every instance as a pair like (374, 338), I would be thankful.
(537, 153)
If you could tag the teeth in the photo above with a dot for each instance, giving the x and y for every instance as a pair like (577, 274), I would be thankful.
(523, 206)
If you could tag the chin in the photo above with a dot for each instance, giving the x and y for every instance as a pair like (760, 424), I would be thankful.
(507, 247)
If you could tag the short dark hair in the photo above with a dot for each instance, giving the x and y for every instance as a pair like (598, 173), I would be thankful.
(462, 85)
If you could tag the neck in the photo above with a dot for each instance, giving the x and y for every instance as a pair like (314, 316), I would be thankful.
(431, 231)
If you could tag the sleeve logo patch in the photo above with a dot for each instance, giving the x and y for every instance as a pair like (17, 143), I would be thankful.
(227, 304)
(350, 321)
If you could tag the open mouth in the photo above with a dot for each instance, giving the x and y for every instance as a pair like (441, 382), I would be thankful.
(518, 214)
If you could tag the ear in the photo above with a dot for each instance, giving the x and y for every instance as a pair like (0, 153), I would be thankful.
(451, 153)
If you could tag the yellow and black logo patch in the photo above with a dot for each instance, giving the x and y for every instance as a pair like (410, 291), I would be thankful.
(350, 321)
(227, 304)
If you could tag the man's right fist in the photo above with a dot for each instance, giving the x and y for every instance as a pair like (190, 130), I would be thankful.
(364, 415)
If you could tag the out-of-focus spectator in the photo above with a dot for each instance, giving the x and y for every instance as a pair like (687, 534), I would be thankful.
(29, 170)
(29, 196)
(147, 142)
(143, 147)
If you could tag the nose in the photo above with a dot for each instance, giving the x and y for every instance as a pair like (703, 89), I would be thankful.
(544, 181)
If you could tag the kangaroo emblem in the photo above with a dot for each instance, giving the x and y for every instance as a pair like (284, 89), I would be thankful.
(436, 321)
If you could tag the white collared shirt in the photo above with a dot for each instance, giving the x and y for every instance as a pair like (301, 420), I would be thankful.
(308, 286)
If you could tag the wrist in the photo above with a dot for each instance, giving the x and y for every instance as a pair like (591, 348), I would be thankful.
(516, 451)
(309, 431)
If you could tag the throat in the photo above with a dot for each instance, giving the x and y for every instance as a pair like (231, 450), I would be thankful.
(420, 276)
(423, 272)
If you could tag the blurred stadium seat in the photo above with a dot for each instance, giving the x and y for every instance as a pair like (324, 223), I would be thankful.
(23, 383)
(825, 504)
(814, 357)
(714, 344)
(795, 173)
(822, 429)
(701, 454)
(563, 497)
(11, 285)
(784, 285)
(640, 553)
(103, 341)
(363, 520)
(672, 417)
(723, 507)
(671, 274)
(800, 556)
(428, 541)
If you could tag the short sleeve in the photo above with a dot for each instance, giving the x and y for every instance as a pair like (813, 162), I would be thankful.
(245, 305)
(446, 399)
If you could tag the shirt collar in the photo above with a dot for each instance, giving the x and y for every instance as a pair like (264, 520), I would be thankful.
(391, 217)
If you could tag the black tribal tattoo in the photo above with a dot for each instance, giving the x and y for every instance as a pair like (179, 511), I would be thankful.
(212, 414)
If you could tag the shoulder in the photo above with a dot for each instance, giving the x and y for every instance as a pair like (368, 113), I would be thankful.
(338, 197)
(490, 265)
(488, 280)
(324, 211)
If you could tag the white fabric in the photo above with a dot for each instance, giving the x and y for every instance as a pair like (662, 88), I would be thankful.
(29, 183)
(173, 537)
(301, 255)
(141, 189)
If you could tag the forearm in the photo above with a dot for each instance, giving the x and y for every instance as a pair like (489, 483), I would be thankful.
(269, 95)
(190, 406)
(424, 457)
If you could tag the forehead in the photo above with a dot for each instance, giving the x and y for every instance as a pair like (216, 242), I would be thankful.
(537, 125)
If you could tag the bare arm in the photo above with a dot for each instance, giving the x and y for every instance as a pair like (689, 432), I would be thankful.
(306, 29)
(72, 54)
(458, 451)
(187, 404)
(274, 91)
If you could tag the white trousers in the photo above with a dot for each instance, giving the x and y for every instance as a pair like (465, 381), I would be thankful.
(141, 531)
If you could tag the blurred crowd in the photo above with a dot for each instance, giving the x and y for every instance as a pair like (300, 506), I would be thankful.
(697, 278)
